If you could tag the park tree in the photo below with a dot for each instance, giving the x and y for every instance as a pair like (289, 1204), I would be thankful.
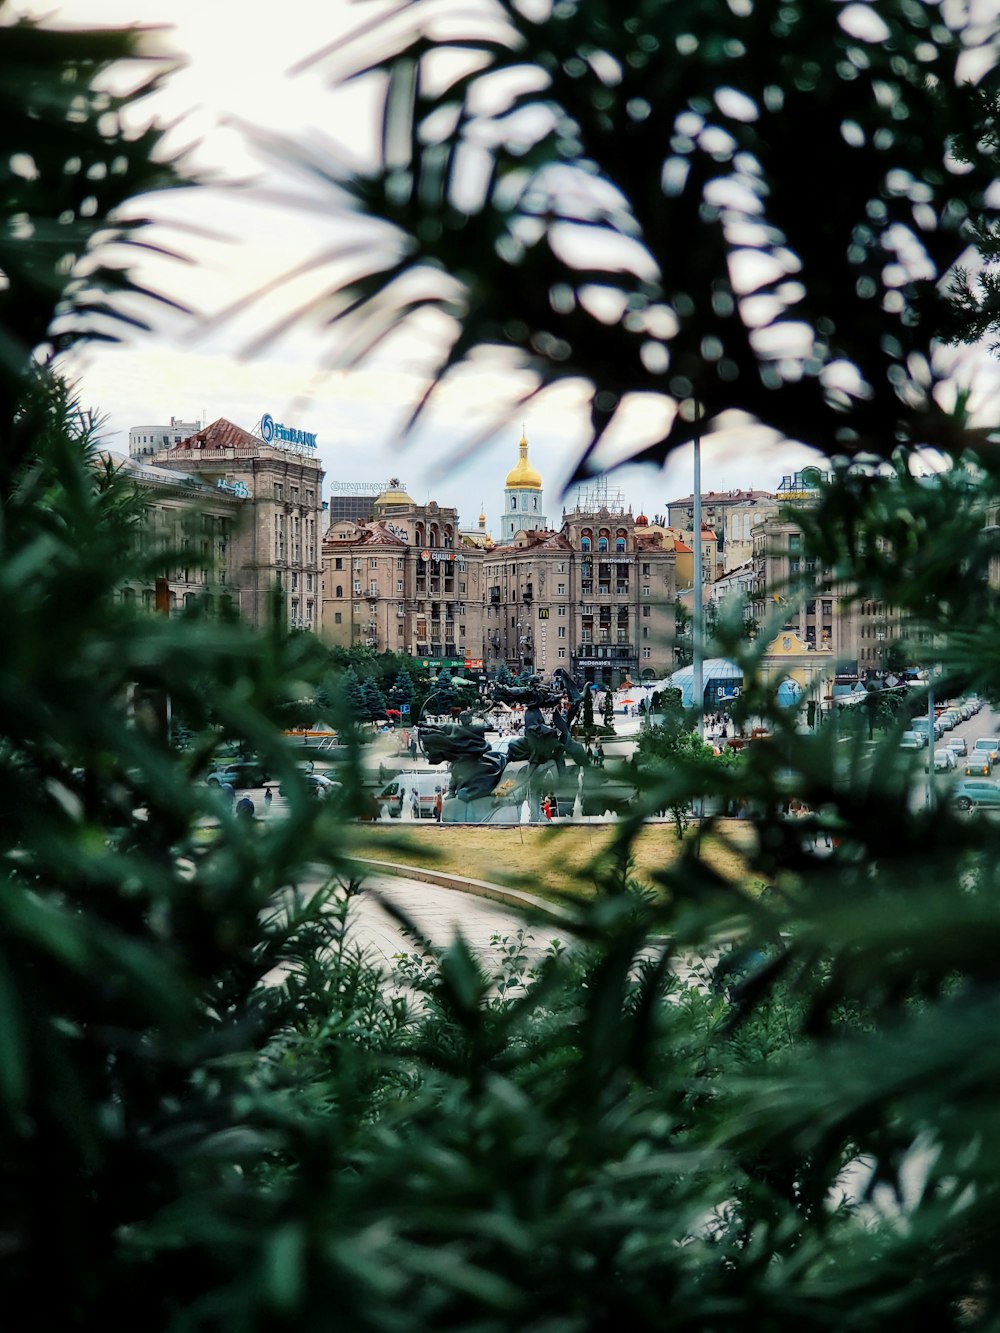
(651, 218)
(609, 709)
(401, 690)
(374, 702)
(587, 718)
(214, 1115)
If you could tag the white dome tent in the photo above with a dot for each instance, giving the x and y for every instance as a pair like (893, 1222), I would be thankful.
(723, 682)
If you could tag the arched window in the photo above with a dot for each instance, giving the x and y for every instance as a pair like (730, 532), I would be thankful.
(340, 590)
(602, 543)
(534, 502)
(513, 502)
(584, 543)
(620, 545)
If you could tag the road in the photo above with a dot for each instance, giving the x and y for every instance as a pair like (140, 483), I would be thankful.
(984, 723)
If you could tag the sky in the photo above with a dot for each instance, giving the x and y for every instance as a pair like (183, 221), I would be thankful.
(260, 222)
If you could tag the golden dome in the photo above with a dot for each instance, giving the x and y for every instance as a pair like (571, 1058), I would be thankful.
(393, 495)
(524, 477)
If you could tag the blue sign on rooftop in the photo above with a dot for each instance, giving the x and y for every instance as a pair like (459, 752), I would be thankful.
(274, 432)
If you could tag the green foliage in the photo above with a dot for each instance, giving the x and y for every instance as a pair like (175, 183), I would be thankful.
(609, 710)
(683, 636)
(760, 109)
(587, 718)
(217, 1114)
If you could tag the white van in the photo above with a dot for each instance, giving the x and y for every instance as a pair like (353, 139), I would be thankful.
(417, 790)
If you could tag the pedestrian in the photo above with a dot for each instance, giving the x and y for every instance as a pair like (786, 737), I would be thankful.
(268, 797)
(599, 755)
(244, 808)
(413, 747)
(414, 803)
(438, 804)
(547, 807)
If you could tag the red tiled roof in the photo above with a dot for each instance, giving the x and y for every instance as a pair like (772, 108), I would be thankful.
(221, 434)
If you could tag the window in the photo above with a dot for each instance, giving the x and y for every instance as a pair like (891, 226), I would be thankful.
(279, 491)
(561, 632)
(561, 652)
(373, 563)
(338, 619)
(373, 588)
(645, 590)
(620, 545)
(340, 590)
(584, 543)
(647, 652)
(645, 570)
(399, 564)
(513, 502)
(645, 631)
(560, 610)
(357, 587)
(338, 562)
(646, 610)
(560, 590)
(602, 543)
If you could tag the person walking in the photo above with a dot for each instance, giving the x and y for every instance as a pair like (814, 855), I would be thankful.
(268, 798)
(599, 755)
(244, 808)
(438, 804)
(413, 747)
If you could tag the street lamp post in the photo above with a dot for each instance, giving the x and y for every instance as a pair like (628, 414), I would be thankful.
(697, 646)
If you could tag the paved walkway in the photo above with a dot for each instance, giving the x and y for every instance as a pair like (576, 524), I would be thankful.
(439, 914)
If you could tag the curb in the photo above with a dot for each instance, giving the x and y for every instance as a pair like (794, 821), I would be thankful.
(479, 888)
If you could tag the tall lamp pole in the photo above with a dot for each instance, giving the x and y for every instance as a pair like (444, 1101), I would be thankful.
(697, 647)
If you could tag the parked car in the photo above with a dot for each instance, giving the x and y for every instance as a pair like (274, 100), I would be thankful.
(978, 766)
(240, 773)
(944, 761)
(922, 726)
(988, 746)
(958, 744)
(977, 793)
(912, 740)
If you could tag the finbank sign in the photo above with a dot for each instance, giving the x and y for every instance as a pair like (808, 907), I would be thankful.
(273, 432)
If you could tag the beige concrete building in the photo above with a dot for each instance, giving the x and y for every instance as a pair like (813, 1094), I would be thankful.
(276, 545)
(716, 507)
(194, 520)
(406, 582)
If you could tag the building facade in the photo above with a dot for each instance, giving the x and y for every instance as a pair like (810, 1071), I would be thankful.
(406, 582)
(195, 522)
(276, 545)
(593, 598)
(144, 442)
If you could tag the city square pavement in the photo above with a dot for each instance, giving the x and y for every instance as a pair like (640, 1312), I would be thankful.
(438, 914)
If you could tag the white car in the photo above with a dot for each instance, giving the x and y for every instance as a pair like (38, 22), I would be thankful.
(944, 761)
(911, 740)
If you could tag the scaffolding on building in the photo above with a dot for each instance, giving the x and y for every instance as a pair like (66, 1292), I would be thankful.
(597, 496)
